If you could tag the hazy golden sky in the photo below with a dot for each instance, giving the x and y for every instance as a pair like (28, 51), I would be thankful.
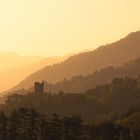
(57, 27)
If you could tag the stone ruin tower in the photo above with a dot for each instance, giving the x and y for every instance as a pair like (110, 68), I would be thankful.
(39, 88)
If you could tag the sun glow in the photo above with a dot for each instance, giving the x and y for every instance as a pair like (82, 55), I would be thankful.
(57, 27)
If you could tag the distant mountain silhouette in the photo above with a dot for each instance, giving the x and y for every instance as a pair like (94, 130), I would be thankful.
(10, 78)
(11, 61)
(114, 54)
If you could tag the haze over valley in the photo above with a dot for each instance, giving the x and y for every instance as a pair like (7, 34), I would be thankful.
(70, 70)
(18, 68)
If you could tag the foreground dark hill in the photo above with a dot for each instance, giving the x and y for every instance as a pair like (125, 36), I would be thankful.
(113, 54)
(95, 104)
(108, 112)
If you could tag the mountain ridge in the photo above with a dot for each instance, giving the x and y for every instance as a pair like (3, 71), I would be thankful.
(86, 63)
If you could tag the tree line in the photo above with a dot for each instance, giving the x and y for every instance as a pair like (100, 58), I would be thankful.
(28, 124)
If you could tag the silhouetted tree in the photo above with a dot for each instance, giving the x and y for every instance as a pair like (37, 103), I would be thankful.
(13, 126)
(33, 130)
(107, 131)
(3, 126)
(56, 132)
(73, 128)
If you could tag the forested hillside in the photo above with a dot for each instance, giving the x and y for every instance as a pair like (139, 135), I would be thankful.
(97, 104)
(81, 83)
(113, 54)
(107, 112)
